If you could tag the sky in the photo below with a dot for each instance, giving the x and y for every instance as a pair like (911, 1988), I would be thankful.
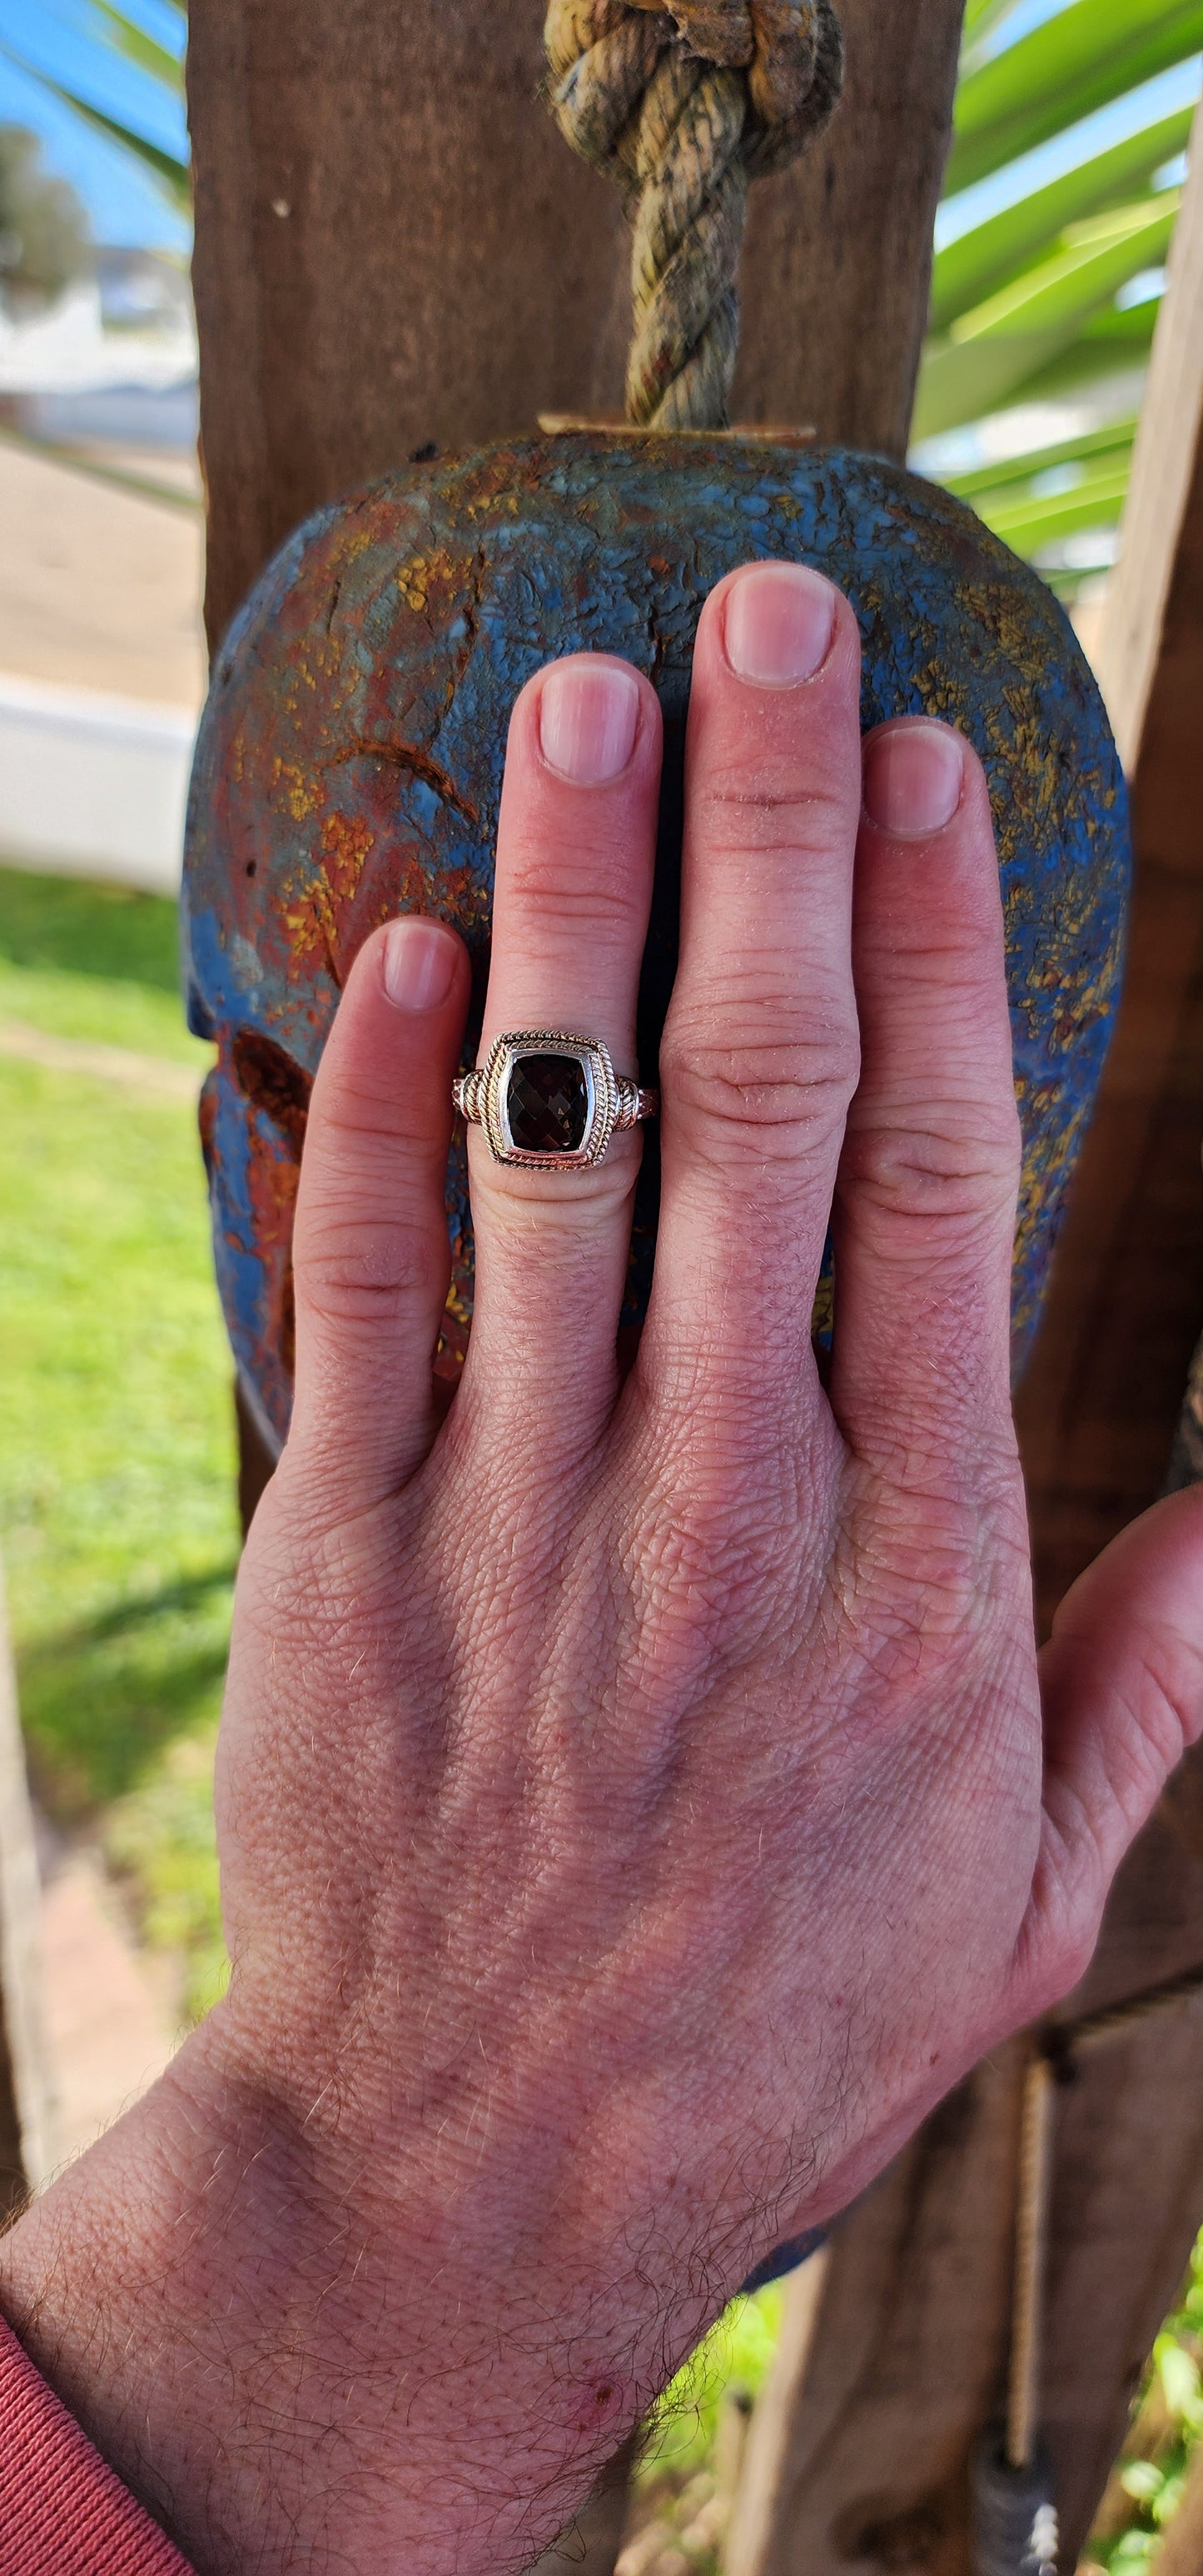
(124, 204)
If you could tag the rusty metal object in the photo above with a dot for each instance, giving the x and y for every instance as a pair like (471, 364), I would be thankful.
(350, 759)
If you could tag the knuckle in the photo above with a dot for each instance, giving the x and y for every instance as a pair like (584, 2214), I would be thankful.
(710, 1564)
(356, 1274)
(756, 1074)
(947, 1162)
(366, 1130)
(937, 1555)
(763, 806)
(1066, 1961)
(581, 884)
(933, 1168)
(1060, 1938)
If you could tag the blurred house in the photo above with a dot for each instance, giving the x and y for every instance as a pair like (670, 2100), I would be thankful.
(101, 663)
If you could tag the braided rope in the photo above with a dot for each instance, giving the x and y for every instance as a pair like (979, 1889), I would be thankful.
(683, 104)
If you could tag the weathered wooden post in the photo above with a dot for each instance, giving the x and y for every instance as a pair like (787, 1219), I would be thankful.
(864, 2463)
(1098, 1406)
(25, 2126)
(393, 249)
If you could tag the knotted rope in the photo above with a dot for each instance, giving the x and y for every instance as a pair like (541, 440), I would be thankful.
(684, 102)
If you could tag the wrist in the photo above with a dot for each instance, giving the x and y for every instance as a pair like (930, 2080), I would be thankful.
(132, 2283)
(266, 2351)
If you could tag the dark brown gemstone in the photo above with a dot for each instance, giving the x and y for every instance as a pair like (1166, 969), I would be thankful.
(548, 1104)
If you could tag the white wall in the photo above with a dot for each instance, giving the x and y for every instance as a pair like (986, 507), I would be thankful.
(92, 785)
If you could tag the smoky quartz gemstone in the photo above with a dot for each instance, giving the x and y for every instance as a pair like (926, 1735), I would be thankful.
(547, 1106)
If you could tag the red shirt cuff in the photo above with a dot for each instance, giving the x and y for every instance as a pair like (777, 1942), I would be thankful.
(63, 2512)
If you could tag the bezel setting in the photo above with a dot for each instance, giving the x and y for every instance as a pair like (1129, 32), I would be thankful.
(601, 1097)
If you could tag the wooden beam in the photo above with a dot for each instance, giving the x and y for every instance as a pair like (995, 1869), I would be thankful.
(592, 2542)
(768, 2447)
(904, 2362)
(25, 2127)
(873, 2436)
(837, 267)
(1098, 1408)
(394, 245)
(1147, 645)
(910, 2349)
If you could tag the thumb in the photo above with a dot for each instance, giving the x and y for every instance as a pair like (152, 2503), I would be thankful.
(1122, 1685)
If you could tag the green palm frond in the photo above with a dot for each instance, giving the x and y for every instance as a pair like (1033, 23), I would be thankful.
(167, 167)
(128, 38)
(1083, 58)
(992, 352)
(980, 483)
(981, 19)
(1053, 297)
(998, 249)
(122, 32)
(1035, 501)
(1030, 521)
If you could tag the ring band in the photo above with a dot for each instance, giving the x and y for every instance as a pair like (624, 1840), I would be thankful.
(550, 1100)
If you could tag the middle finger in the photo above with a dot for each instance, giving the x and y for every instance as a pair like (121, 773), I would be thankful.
(761, 1049)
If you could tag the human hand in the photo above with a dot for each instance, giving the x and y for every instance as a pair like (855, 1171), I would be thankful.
(635, 1801)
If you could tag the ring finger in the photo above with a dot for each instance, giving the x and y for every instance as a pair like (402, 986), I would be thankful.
(575, 855)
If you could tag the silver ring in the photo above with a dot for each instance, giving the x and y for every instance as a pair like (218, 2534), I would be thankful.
(550, 1100)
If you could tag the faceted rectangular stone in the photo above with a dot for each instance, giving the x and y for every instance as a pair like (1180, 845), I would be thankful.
(547, 1106)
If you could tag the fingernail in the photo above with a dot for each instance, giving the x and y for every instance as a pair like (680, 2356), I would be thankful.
(778, 624)
(588, 713)
(419, 964)
(913, 778)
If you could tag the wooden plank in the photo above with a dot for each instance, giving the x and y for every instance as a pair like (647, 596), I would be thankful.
(1097, 1416)
(1099, 1406)
(1143, 631)
(768, 2442)
(592, 2542)
(1127, 2203)
(394, 245)
(873, 2438)
(837, 266)
(908, 2353)
(1128, 2170)
(25, 2125)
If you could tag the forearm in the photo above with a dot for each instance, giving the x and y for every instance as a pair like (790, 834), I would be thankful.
(140, 2284)
(268, 2369)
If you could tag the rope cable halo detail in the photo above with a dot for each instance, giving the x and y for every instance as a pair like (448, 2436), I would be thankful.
(684, 104)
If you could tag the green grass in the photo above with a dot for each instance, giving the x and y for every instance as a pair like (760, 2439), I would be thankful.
(117, 1511)
(1167, 2426)
(735, 2354)
(94, 930)
(94, 962)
